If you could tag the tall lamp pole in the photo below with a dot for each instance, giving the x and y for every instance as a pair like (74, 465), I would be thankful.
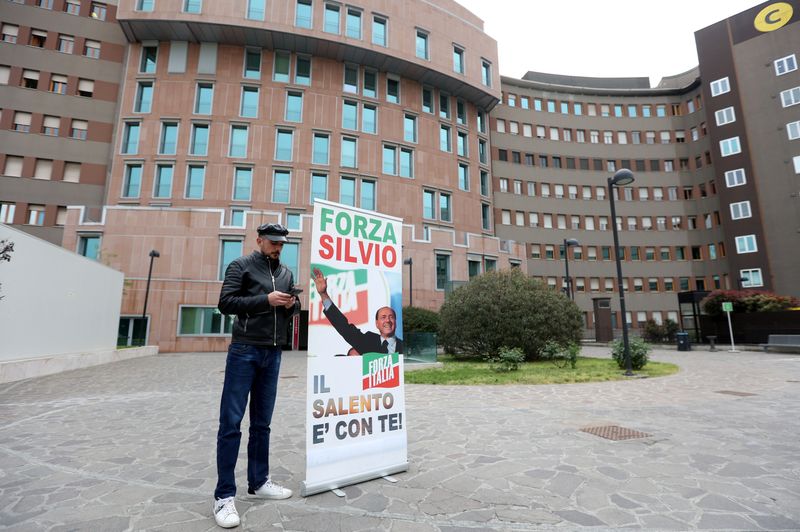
(621, 178)
(568, 242)
(410, 263)
(153, 254)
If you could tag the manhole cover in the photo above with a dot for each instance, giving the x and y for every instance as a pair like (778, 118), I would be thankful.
(738, 394)
(615, 432)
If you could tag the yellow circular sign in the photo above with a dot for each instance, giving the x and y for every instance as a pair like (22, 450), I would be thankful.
(773, 17)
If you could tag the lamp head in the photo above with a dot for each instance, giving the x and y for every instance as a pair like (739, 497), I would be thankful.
(154, 254)
(408, 261)
(622, 177)
(571, 242)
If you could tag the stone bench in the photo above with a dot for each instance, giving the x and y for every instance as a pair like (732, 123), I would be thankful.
(782, 341)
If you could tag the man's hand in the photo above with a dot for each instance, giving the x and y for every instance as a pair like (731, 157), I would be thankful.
(321, 283)
(280, 299)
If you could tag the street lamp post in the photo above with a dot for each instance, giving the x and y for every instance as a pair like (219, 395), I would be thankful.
(568, 242)
(622, 177)
(410, 263)
(153, 254)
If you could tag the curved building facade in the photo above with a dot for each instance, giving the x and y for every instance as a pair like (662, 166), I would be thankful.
(237, 113)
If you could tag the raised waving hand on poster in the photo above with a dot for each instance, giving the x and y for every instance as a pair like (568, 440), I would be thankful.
(385, 341)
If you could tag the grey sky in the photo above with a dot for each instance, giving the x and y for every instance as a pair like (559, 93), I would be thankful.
(610, 38)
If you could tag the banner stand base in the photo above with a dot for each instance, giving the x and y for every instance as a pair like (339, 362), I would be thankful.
(307, 489)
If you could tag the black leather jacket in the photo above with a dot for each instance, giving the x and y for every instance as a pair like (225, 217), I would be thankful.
(247, 282)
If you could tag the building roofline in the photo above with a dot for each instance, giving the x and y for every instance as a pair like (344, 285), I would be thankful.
(638, 86)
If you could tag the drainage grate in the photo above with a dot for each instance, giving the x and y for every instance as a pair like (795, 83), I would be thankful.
(737, 394)
(615, 432)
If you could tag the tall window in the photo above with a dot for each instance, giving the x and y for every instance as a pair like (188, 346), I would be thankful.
(302, 70)
(238, 142)
(347, 191)
(144, 97)
(463, 177)
(379, 35)
(130, 138)
(249, 103)
(204, 98)
(370, 88)
(168, 143)
(486, 73)
(242, 183)
(389, 159)
(367, 194)
(331, 19)
(442, 271)
(280, 186)
(321, 149)
(406, 162)
(444, 138)
(230, 251)
(162, 186)
(303, 14)
(369, 119)
(350, 78)
(422, 45)
(350, 115)
(348, 158)
(319, 186)
(410, 128)
(294, 107)
(353, 23)
(149, 59)
(458, 60)
(195, 181)
(199, 144)
(132, 181)
(392, 89)
(252, 63)
(283, 145)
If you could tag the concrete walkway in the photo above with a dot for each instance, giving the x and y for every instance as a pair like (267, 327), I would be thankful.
(130, 446)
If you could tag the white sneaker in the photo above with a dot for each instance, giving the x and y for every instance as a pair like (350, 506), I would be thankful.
(225, 513)
(270, 490)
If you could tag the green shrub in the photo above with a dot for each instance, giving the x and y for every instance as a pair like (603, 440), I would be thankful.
(508, 359)
(640, 351)
(561, 355)
(747, 301)
(417, 319)
(507, 308)
(653, 332)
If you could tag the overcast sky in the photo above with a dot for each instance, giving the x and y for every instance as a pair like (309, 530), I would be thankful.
(608, 38)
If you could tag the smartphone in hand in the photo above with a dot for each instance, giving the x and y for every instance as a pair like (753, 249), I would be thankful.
(295, 291)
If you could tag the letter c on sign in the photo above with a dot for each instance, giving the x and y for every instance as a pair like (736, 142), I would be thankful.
(773, 17)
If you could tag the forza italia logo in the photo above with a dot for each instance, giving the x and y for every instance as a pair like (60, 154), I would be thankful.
(773, 17)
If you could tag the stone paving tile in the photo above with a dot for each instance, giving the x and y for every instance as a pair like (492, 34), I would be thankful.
(130, 446)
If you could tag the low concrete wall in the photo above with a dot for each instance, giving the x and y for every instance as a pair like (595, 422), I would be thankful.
(16, 370)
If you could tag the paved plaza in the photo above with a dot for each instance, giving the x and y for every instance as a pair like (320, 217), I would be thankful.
(130, 446)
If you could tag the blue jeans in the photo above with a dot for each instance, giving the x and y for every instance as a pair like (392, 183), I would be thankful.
(254, 371)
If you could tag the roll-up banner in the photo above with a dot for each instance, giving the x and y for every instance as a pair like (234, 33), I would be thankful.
(355, 407)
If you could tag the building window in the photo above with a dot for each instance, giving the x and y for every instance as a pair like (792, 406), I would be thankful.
(242, 184)
(303, 14)
(36, 214)
(73, 7)
(367, 194)
(486, 73)
(79, 129)
(746, 244)
(369, 119)
(462, 145)
(785, 65)
(442, 271)
(331, 19)
(302, 70)
(238, 141)
(735, 178)
(58, 83)
(294, 107)
(149, 59)
(392, 89)
(204, 98)
(320, 149)
(730, 146)
(144, 97)
(99, 10)
(422, 45)
(91, 49)
(370, 80)
(22, 122)
(195, 182)
(252, 63)
(65, 43)
(51, 125)
(720, 86)
(486, 218)
(458, 60)
(790, 97)
(10, 32)
(203, 321)
(280, 72)
(444, 138)
(350, 78)
(130, 138)
(353, 23)
(793, 130)
(319, 186)
(406, 162)
(347, 191)
(463, 176)
(132, 181)
(230, 251)
(283, 145)
(169, 139)
(162, 186)
(192, 6)
(248, 107)
(199, 145)
(389, 160)
(740, 210)
(145, 5)
(348, 156)
(379, 34)
(751, 278)
(7, 213)
(725, 116)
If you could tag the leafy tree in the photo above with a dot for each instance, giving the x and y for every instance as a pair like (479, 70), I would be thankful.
(507, 309)
(417, 319)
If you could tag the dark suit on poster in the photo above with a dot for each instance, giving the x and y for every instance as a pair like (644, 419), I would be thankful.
(363, 342)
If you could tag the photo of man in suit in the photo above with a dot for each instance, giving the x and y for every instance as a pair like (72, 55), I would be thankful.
(361, 342)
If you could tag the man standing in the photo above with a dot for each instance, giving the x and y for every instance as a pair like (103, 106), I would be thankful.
(361, 342)
(259, 290)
